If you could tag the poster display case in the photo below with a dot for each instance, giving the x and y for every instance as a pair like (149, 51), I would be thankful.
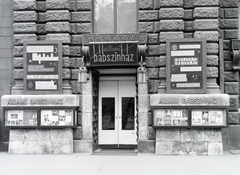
(21, 118)
(209, 117)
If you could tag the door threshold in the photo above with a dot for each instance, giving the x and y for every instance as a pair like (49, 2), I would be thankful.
(115, 152)
(116, 146)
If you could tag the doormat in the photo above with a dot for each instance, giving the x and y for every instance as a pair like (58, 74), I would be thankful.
(115, 152)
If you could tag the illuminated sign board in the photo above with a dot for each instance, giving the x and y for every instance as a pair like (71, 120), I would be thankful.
(113, 54)
(186, 66)
(42, 67)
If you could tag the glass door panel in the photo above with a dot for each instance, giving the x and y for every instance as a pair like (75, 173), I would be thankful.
(108, 113)
(128, 113)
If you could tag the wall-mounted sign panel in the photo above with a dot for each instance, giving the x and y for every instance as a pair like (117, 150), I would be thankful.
(186, 66)
(208, 117)
(21, 118)
(57, 117)
(113, 54)
(42, 67)
(170, 118)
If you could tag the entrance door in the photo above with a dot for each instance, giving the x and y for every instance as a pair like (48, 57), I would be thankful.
(117, 110)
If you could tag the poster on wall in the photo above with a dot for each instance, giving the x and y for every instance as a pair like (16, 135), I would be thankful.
(42, 67)
(20, 118)
(206, 117)
(186, 66)
(57, 117)
(170, 117)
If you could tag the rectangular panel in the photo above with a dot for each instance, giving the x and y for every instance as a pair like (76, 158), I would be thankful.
(186, 58)
(208, 117)
(108, 113)
(18, 118)
(57, 117)
(128, 117)
(170, 118)
(42, 67)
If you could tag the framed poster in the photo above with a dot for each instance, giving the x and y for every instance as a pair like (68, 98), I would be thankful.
(170, 117)
(21, 118)
(209, 117)
(57, 117)
(42, 67)
(186, 66)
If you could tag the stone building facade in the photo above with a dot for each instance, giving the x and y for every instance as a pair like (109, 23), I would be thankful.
(71, 22)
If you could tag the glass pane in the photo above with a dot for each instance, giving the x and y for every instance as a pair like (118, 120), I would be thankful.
(128, 113)
(126, 16)
(103, 16)
(108, 114)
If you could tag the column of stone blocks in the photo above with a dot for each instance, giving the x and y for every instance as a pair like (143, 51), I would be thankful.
(25, 20)
(171, 14)
(206, 25)
(229, 19)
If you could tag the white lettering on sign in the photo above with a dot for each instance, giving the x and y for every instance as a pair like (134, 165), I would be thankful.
(114, 58)
(38, 49)
(43, 57)
(32, 77)
(39, 68)
(186, 61)
(190, 46)
(183, 53)
(179, 78)
(46, 85)
(191, 69)
(187, 85)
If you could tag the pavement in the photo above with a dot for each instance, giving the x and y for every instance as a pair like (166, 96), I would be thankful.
(142, 164)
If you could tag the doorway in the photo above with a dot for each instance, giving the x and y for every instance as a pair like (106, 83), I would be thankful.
(117, 111)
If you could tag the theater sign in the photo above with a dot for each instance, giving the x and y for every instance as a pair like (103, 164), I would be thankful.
(113, 54)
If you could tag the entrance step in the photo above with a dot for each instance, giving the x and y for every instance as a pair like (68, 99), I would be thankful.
(115, 152)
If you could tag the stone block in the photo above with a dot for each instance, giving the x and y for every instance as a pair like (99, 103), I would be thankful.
(25, 27)
(76, 87)
(84, 5)
(163, 148)
(215, 149)
(171, 13)
(235, 44)
(231, 88)
(192, 135)
(152, 72)
(142, 132)
(164, 36)
(81, 16)
(41, 6)
(145, 27)
(65, 48)
(148, 15)
(42, 17)
(83, 28)
(206, 24)
(86, 103)
(212, 60)
(208, 35)
(206, 3)
(228, 23)
(53, 27)
(18, 74)
(66, 73)
(213, 135)
(231, 13)
(87, 132)
(153, 50)
(233, 103)
(77, 133)
(162, 60)
(233, 118)
(41, 28)
(231, 76)
(18, 51)
(153, 39)
(180, 148)
(143, 88)
(226, 44)
(66, 62)
(188, 14)
(168, 135)
(153, 85)
(150, 122)
(230, 34)
(87, 88)
(212, 48)
(18, 62)
(227, 55)
(188, 35)
(228, 3)
(83, 146)
(162, 49)
(64, 37)
(212, 72)
(145, 4)
(171, 3)
(25, 16)
(57, 4)
(58, 15)
(171, 25)
(228, 65)
(156, 27)
(151, 133)
(75, 51)
(188, 26)
(18, 39)
(162, 72)
(77, 39)
(143, 102)
(24, 5)
(206, 12)
(146, 146)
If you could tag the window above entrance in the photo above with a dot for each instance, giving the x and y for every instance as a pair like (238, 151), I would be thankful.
(115, 16)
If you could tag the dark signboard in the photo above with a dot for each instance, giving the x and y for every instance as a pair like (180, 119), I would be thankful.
(113, 54)
(186, 66)
(42, 67)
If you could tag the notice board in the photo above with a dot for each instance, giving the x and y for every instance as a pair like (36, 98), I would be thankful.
(186, 66)
(42, 67)
(113, 54)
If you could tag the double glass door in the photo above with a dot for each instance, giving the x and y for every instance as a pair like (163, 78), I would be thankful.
(117, 121)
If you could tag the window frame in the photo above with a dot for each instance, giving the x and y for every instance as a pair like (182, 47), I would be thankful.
(114, 17)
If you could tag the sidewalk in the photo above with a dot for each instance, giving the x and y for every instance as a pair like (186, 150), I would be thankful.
(142, 164)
